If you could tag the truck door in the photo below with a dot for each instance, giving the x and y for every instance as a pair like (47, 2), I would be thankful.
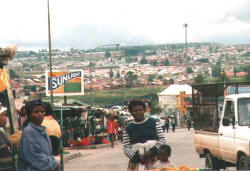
(227, 132)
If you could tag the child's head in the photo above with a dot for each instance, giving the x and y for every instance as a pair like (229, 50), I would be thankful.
(164, 153)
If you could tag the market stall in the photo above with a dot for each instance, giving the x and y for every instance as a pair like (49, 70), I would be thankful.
(83, 126)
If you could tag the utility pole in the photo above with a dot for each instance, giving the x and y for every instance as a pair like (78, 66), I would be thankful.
(186, 25)
(90, 78)
(50, 59)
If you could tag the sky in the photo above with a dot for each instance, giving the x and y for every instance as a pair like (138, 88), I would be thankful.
(85, 24)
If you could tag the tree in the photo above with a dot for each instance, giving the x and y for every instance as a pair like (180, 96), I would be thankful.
(118, 74)
(166, 63)
(160, 77)
(13, 74)
(151, 78)
(143, 60)
(42, 89)
(199, 79)
(234, 71)
(33, 88)
(154, 63)
(171, 81)
(131, 52)
(130, 77)
(216, 70)
(223, 78)
(189, 70)
(107, 54)
(111, 73)
(154, 107)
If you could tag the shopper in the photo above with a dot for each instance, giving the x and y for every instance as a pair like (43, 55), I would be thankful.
(6, 158)
(35, 150)
(112, 129)
(142, 138)
(173, 124)
(167, 124)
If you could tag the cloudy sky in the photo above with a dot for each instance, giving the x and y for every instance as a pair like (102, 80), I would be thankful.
(86, 24)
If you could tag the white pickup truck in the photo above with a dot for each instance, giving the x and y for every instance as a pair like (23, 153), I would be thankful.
(222, 137)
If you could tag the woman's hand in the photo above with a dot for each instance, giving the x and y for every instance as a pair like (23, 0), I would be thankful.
(58, 160)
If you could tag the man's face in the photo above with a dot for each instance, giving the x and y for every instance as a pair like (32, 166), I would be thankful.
(3, 119)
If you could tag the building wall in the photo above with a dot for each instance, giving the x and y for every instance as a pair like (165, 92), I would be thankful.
(168, 102)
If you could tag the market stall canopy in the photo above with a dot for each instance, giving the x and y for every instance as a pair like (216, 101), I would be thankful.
(175, 89)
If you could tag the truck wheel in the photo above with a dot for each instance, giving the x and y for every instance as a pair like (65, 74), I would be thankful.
(242, 163)
(211, 162)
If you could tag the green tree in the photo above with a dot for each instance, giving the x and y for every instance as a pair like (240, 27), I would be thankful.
(118, 74)
(166, 63)
(160, 77)
(154, 63)
(171, 81)
(235, 71)
(151, 78)
(111, 73)
(42, 89)
(216, 70)
(131, 52)
(32, 66)
(199, 79)
(33, 88)
(13, 74)
(130, 77)
(107, 54)
(189, 70)
(154, 107)
(143, 60)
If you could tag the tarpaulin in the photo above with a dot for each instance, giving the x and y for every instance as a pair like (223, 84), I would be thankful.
(4, 79)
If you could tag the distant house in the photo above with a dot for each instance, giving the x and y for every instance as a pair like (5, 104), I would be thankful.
(237, 74)
(168, 97)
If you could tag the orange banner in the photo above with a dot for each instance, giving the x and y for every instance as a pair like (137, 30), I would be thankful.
(4, 79)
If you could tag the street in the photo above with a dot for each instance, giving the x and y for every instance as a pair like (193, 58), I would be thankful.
(108, 159)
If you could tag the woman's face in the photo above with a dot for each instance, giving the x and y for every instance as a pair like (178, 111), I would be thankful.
(37, 115)
(3, 119)
(138, 113)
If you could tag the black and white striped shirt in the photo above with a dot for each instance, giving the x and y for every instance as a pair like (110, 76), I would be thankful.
(140, 132)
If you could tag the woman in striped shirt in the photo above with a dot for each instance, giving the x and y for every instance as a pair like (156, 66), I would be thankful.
(142, 138)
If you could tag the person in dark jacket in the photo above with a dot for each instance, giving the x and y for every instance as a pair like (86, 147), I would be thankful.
(189, 124)
(35, 150)
(6, 158)
(167, 124)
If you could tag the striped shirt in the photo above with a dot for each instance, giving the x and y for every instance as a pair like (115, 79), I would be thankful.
(140, 132)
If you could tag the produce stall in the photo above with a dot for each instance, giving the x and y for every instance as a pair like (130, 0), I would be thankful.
(83, 126)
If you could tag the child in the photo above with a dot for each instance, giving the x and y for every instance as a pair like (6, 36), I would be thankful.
(163, 158)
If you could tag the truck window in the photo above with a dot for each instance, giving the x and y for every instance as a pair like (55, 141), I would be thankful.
(244, 111)
(229, 110)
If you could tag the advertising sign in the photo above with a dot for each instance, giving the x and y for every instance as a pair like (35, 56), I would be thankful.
(65, 83)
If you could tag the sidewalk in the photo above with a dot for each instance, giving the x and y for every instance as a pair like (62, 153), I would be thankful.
(78, 151)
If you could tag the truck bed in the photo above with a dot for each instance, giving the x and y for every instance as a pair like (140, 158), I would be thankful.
(207, 141)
